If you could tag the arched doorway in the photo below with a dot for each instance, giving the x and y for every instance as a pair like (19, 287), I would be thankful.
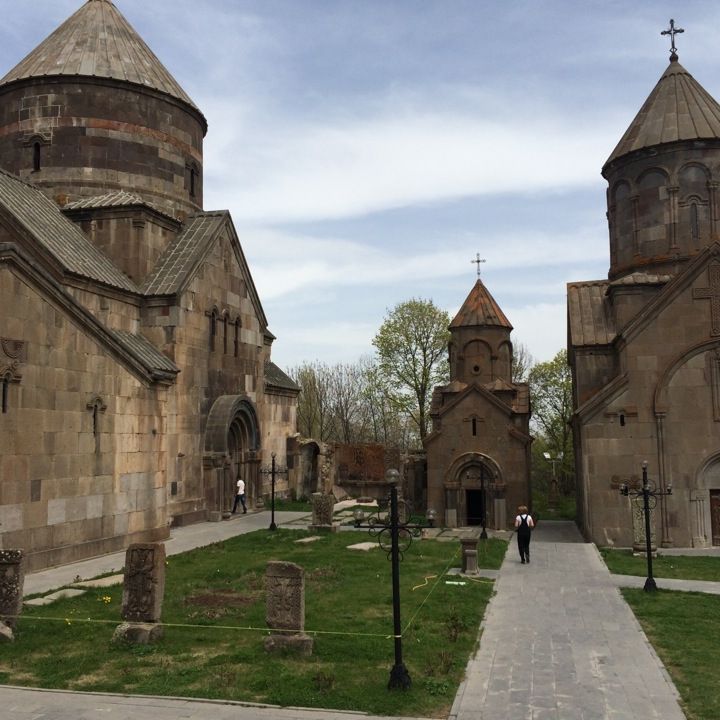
(706, 499)
(474, 492)
(232, 450)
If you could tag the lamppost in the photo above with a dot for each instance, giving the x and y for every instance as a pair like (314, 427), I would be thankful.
(649, 493)
(553, 495)
(384, 528)
(273, 471)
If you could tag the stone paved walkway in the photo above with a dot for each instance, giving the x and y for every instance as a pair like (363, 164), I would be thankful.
(559, 643)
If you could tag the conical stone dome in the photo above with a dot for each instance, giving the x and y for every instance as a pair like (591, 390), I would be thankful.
(92, 111)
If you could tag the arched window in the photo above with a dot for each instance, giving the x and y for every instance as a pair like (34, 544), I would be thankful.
(213, 329)
(5, 390)
(36, 157)
(225, 334)
(237, 338)
(193, 176)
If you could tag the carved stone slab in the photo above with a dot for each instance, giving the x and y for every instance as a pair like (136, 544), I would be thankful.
(638, 518)
(469, 555)
(144, 582)
(285, 608)
(322, 511)
(12, 577)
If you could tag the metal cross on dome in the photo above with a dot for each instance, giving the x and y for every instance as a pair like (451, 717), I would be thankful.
(672, 32)
(477, 261)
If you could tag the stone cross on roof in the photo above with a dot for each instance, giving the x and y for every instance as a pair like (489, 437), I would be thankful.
(477, 261)
(672, 32)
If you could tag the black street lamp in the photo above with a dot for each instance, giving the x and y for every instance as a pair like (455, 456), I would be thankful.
(273, 471)
(649, 493)
(391, 526)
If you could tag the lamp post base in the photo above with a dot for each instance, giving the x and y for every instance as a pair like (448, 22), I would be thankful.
(650, 585)
(399, 678)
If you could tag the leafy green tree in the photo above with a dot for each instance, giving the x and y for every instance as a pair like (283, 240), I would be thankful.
(412, 354)
(551, 402)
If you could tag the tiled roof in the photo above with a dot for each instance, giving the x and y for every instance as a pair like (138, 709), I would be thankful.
(183, 254)
(118, 198)
(147, 354)
(678, 108)
(97, 41)
(589, 317)
(480, 309)
(60, 237)
(277, 378)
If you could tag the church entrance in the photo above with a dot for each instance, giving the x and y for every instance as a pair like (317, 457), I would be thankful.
(715, 516)
(475, 504)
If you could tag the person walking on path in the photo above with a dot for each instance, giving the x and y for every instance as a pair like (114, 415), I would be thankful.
(524, 525)
(239, 496)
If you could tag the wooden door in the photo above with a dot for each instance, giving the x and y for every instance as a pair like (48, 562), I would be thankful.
(715, 516)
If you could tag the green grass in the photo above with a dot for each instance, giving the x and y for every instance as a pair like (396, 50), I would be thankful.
(684, 628)
(214, 594)
(291, 505)
(684, 567)
(565, 510)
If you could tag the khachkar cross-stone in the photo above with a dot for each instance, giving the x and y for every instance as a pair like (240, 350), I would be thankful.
(672, 32)
(478, 261)
(712, 293)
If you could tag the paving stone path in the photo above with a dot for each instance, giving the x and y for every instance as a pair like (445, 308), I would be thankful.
(559, 643)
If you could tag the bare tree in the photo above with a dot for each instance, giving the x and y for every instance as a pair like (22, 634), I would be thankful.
(521, 363)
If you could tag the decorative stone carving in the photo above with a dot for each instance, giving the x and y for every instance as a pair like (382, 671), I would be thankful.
(638, 522)
(12, 355)
(285, 608)
(12, 576)
(322, 512)
(143, 591)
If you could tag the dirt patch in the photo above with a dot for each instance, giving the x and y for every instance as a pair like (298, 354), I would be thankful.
(221, 599)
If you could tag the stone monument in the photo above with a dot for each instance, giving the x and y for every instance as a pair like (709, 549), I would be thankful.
(638, 524)
(285, 608)
(143, 591)
(469, 555)
(12, 576)
(322, 512)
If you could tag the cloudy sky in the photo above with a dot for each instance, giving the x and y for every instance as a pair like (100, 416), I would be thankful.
(368, 149)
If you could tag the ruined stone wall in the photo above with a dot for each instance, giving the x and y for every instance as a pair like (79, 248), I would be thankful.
(82, 440)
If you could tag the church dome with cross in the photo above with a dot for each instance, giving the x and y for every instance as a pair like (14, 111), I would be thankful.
(663, 177)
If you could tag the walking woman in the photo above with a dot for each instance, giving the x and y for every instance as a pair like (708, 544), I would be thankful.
(524, 524)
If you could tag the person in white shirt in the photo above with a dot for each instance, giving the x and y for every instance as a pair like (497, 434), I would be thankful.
(240, 496)
(524, 524)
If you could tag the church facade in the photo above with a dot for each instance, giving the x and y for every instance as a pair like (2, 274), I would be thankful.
(136, 379)
(478, 450)
(644, 344)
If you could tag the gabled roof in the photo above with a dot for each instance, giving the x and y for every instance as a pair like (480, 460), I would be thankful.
(55, 234)
(181, 259)
(159, 366)
(115, 199)
(184, 254)
(97, 41)
(480, 309)
(678, 108)
(275, 377)
(590, 321)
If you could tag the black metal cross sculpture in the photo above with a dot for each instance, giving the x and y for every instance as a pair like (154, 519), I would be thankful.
(272, 471)
(649, 494)
(672, 32)
(390, 528)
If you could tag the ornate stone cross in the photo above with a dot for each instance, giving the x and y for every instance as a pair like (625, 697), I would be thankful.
(672, 32)
(477, 261)
(712, 293)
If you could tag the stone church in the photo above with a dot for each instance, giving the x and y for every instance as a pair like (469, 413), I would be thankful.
(478, 450)
(135, 373)
(644, 344)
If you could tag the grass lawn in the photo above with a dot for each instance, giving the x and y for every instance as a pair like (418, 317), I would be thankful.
(684, 567)
(684, 629)
(214, 615)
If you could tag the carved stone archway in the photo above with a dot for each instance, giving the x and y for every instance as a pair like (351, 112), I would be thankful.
(231, 449)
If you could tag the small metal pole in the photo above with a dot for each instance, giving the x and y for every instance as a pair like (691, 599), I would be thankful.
(399, 675)
(273, 526)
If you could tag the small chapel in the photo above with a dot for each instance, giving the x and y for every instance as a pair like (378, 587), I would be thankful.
(478, 449)
(644, 344)
(136, 380)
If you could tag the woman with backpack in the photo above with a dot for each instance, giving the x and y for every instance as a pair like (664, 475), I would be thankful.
(524, 524)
